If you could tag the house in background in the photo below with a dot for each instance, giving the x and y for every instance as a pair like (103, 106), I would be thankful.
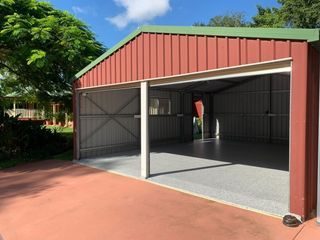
(54, 114)
(16, 105)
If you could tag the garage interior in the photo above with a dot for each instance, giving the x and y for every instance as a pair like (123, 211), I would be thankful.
(242, 158)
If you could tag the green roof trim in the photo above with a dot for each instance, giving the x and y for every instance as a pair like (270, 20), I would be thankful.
(309, 35)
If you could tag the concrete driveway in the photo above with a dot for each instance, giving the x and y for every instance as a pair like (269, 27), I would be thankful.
(61, 200)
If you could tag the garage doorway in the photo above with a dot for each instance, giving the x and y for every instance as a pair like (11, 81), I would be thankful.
(243, 155)
(242, 159)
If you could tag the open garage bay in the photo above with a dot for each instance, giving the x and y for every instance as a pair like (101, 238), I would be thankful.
(254, 175)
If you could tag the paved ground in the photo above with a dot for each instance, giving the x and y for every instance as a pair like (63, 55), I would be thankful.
(56, 200)
(254, 175)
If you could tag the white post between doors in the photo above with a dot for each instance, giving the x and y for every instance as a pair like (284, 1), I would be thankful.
(145, 152)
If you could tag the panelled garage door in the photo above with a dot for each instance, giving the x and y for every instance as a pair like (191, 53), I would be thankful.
(109, 122)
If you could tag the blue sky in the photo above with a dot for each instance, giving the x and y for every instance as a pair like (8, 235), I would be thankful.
(112, 20)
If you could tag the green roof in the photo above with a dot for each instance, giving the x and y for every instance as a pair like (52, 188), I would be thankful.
(309, 35)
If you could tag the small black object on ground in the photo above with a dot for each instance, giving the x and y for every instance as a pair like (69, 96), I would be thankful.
(291, 221)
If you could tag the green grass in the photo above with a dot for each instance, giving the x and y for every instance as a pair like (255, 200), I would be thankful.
(62, 130)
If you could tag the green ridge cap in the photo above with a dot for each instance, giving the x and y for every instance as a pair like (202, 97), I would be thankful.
(309, 35)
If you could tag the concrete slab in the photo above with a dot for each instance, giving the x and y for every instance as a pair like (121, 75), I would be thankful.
(56, 200)
(252, 175)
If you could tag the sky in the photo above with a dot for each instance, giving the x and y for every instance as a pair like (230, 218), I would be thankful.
(113, 20)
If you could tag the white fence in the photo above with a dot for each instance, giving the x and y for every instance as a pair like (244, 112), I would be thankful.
(26, 113)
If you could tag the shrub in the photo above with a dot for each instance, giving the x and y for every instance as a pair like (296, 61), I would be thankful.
(28, 140)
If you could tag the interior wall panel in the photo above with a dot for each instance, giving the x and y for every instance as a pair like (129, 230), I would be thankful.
(167, 128)
(257, 110)
(108, 123)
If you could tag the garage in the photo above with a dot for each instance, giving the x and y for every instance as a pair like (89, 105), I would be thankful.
(257, 143)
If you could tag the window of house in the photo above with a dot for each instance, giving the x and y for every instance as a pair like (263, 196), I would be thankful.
(160, 106)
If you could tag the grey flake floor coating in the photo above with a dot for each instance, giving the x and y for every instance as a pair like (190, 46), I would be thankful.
(253, 175)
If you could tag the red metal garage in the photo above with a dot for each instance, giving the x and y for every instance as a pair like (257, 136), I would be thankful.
(164, 55)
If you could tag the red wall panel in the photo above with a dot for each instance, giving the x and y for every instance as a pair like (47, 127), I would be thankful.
(176, 55)
(202, 54)
(160, 55)
(146, 56)
(128, 56)
(153, 54)
(298, 133)
(123, 68)
(244, 51)
(223, 52)
(267, 50)
(157, 55)
(103, 72)
(312, 130)
(108, 71)
(212, 53)
(118, 67)
(192, 45)
(167, 55)
(113, 68)
(234, 52)
(253, 50)
(134, 66)
(140, 51)
(282, 49)
(184, 52)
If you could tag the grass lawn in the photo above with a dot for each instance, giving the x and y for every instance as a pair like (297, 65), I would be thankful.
(66, 131)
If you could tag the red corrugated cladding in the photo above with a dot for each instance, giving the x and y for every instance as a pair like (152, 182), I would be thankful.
(151, 55)
(157, 55)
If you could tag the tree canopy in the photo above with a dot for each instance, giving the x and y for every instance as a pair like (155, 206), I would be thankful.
(268, 17)
(290, 13)
(235, 19)
(43, 47)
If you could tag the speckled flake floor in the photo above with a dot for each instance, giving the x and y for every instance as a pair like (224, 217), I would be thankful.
(252, 175)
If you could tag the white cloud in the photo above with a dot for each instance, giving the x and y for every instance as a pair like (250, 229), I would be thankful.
(77, 9)
(139, 11)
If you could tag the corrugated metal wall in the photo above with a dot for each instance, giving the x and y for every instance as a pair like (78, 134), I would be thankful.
(256, 110)
(172, 128)
(312, 131)
(109, 122)
(151, 55)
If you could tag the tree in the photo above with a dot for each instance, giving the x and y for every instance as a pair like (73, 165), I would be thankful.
(43, 47)
(236, 19)
(301, 13)
(292, 13)
(268, 17)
